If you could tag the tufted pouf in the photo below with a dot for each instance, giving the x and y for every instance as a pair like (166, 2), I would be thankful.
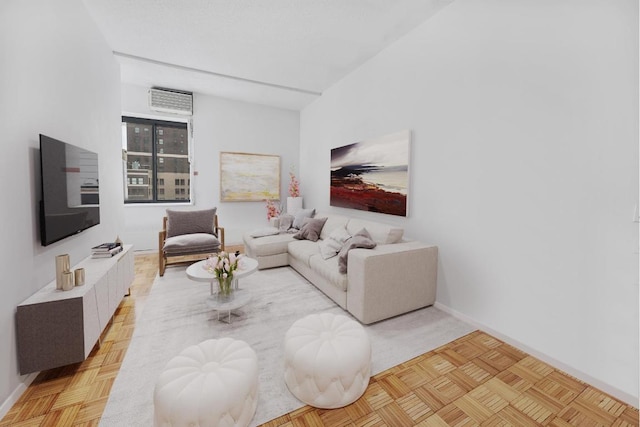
(214, 383)
(327, 360)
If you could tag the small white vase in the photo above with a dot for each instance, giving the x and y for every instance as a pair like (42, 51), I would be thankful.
(294, 204)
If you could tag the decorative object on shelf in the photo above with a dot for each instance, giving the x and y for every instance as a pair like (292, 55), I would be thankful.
(106, 250)
(78, 275)
(63, 264)
(118, 241)
(67, 280)
(222, 266)
(372, 175)
(273, 209)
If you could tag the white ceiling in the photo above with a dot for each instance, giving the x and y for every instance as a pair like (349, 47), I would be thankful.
(283, 53)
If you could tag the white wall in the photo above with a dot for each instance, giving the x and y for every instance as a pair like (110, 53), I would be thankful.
(524, 168)
(57, 77)
(219, 125)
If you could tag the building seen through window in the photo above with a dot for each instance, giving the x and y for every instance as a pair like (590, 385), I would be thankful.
(157, 161)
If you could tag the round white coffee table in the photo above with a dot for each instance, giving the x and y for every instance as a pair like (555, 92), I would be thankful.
(225, 304)
(197, 272)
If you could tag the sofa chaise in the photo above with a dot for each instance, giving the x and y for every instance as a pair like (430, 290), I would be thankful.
(394, 277)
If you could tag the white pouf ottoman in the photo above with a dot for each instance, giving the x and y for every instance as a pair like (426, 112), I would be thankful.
(214, 383)
(327, 360)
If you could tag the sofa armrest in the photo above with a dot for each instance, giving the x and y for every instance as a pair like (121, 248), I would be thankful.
(390, 280)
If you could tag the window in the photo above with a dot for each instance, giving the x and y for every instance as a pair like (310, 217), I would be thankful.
(156, 150)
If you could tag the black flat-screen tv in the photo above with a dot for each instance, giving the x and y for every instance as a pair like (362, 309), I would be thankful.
(70, 198)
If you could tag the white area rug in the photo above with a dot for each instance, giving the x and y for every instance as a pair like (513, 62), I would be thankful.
(176, 316)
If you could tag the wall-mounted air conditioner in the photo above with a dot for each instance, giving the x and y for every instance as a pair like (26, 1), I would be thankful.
(171, 101)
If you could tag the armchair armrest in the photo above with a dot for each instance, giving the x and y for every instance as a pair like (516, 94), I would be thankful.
(162, 236)
(390, 280)
(220, 231)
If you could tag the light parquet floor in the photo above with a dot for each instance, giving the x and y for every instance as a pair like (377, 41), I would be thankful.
(476, 380)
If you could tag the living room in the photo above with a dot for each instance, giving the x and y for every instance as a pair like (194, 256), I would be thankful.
(524, 163)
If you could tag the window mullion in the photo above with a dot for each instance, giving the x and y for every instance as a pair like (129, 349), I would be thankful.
(154, 159)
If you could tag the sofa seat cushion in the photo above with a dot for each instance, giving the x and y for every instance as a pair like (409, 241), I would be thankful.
(268, 245)
(380, 233)
(191, 244)
(302, 250)
(328, 269)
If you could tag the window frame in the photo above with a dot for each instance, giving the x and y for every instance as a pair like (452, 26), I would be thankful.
(144, 119)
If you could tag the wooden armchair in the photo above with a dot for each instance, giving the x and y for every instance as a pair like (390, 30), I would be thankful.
(187, 236)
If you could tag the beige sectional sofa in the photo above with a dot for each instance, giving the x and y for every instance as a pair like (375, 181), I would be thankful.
(395, 277)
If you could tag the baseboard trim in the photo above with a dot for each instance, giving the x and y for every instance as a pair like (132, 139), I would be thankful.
(15, 395)
(607, 388)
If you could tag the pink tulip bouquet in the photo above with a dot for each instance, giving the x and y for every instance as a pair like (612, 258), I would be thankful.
(222, 265)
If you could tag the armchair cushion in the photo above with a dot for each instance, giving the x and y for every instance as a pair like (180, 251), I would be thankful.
(191, 244)
(189, 222)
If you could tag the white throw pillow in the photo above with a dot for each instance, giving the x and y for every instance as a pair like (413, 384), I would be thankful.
(330, 246)
(267, 231)
(301, 215)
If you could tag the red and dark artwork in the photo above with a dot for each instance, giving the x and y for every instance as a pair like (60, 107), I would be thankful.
(372, 175)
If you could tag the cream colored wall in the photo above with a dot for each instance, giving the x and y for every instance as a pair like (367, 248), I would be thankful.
(58, 78)
(524, 168)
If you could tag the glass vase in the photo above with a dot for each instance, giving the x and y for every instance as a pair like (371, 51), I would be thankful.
(225, 288)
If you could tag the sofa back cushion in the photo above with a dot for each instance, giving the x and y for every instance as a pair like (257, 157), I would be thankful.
(381, 233)
(333, 222)
(300, 216)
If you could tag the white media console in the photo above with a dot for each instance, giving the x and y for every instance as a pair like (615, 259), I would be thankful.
(57, 328)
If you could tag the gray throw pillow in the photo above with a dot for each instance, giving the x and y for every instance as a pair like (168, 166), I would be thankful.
(285, 222)
(189, 222)
(301, 215)
(362, 239)
(311, 229)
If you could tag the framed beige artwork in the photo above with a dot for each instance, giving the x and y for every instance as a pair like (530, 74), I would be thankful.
(246, 177)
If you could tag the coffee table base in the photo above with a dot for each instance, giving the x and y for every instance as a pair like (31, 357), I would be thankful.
(230, 313)
(230, 305)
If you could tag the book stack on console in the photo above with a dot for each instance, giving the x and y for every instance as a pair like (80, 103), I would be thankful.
(105, 250)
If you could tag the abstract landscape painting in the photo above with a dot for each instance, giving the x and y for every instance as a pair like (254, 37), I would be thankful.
(249, 177)
(372, 175)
